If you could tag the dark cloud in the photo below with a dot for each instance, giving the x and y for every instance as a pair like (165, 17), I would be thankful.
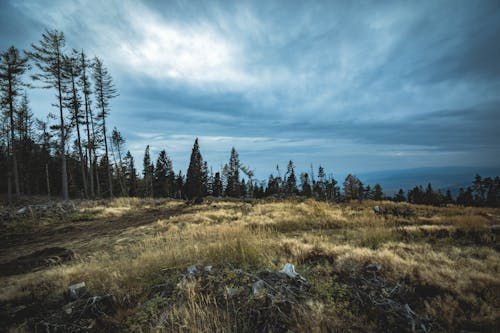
(351, 85)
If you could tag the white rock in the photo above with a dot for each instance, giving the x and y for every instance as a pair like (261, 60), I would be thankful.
(76, 290)
(192, 269)
(258, 286)
(23, 210)
(289, 270)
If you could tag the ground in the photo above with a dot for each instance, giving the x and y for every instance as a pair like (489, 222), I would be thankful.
(166, 265)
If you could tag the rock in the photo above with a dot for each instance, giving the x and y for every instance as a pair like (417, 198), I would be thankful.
(192, 269)
(289, 270)
(208, 268)
(258, 286)
(375, 267)
(77, 290)
(232, 291)
(22, 211)
(378, 210)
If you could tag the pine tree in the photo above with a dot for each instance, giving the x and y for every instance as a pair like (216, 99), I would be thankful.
(400, 196)
(217, 185)
(147, 173)
(352, 187)
(104, 92)
(84, 83)
(378, 194)
(117, 144)
(49, 59)
(12, 68)
(194, 178)
(233, 177)
(72, 101)
(305, 184)
(320, 185)
(291, 180)
(130, 175)
(164, 176)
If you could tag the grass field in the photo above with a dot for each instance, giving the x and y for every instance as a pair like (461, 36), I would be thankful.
(414, 268)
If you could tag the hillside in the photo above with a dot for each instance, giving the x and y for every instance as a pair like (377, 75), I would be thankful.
(164, 265)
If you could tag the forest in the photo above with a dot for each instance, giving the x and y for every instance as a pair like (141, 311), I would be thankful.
(74, 153)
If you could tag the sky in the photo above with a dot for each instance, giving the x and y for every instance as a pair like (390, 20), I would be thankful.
(355, 86)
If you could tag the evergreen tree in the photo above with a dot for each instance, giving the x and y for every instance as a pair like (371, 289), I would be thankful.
(84, 83)
(72, 101)
(217, 185)
(378, 194)
(104, 92)
(305, 185)
(352, 188)
(400, 196)
(233, 188)
(12, 68)
(194, 179)
(147, 171)
(117, 144)
(130, 175)
(164, 176)
(49, 59)
(291, 180)
(320, 185)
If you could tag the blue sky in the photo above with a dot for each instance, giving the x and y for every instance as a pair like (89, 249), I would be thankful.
(354, 86)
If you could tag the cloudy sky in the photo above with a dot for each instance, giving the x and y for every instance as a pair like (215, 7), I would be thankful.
(354, 86)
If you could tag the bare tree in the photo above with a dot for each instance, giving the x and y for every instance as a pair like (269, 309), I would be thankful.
(49, 59)
(104, 92)
(12, 67)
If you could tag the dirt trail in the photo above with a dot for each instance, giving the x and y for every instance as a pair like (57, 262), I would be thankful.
(75, 235)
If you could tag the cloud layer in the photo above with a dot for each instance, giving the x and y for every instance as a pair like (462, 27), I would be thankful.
(354, 86)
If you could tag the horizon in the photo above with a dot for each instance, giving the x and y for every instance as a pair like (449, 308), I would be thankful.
(283, 81)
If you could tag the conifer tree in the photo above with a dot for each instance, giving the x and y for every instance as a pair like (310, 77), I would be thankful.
(164, 176)
(130, 175)
(233, 188)
(49, 59)
(194, 179)
(378, 194)
(12, 68)
(147, 173)
(72, 101)
(217, 188)
(352, 187)
(104, 90)
(84, 83)
(305, 184)
(291, 180)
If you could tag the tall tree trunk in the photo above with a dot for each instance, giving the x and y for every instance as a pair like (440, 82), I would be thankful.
(79, 141)
(64, 171)
(90, 143)
(108, 166)
(13, 142)
(47, 178)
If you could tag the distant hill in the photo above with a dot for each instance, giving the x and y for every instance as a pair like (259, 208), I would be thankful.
(440, 177)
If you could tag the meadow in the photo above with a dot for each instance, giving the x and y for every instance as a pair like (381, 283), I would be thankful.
(157, 265)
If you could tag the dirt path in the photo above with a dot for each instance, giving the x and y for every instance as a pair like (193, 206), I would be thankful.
(76, 235)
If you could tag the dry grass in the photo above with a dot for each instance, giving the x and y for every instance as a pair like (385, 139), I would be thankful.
(451, 251)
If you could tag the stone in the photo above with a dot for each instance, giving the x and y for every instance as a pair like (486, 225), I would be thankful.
(289, 270)
(258, 286)
(77, 290)
(232, 291)
(23, 210)
(375, 267)
(192, 269)
(378, 210)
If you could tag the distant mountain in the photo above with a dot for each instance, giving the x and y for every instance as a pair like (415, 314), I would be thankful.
(440, 177)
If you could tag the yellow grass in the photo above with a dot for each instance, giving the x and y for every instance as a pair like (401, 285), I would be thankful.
(265, 235)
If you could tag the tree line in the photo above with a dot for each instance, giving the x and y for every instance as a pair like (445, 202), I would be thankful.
(73, 152)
